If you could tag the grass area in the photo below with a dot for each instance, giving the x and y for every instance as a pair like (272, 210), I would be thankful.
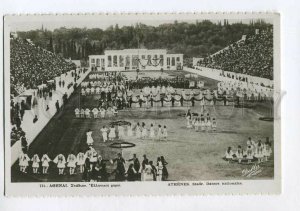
(191, 155)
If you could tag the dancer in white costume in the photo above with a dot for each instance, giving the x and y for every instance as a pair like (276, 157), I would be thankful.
(89, 154)
(188, 122)
(165, 133)
(129, 130)
(214, 125)
(77, 112)
(159, 133)
(208, 125)
(82, 112)
(60, 160)
(267, 151)
(35, 163)
(144, 131)
(102, 112)
(89, 138)
(112, 133)
(95, 112)
(259, 152)
(249, 153)
(197, 124)
(71, 163)
(159, 168)
(104, 133)
(92, 90)
(202, 123)
(147, 172)
(23, 162)
(138, 132)
(45, 163)
(115, 111)
(229, 154)
(87, 113)
(80, 161)
(152, 132)
(121, 132)
(239, 154)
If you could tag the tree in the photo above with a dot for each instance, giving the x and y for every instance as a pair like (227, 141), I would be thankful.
(192, 39)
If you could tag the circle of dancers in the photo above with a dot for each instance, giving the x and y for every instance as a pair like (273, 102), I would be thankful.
(254, 151)
(93, 168)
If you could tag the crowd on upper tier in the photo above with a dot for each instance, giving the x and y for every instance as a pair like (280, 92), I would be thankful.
(252, 56)
(31, 66)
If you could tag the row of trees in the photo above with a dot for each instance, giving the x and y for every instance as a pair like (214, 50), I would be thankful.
(192, 39)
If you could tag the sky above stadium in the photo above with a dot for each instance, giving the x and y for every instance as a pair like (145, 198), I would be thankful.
(27, 23)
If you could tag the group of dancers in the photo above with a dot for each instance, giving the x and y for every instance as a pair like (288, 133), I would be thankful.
(99, 87)
(255, 151)
(93, 167)
(139, 131)
(202, 123)
(71, 161)
(96, 113)
(244, 90)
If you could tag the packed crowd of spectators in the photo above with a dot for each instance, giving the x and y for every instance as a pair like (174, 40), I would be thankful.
(252, 56)
(31, 66)
(17, 111)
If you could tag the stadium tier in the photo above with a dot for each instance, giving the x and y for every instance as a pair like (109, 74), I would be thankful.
(252, 56)
(31, 66)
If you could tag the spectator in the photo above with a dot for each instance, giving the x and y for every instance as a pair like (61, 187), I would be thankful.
(57, 106)
(35, 119)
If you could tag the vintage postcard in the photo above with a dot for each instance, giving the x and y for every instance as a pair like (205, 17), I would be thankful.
(142, 104)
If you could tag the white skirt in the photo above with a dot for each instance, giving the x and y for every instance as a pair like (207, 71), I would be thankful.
(35, 165)
(45, 164)
(24, 163)
(259, 155)
(80, 162)
(147, 177)
(250, 157)
(89, 140)
(93, 159)
(61, 165)
(71, 164)
(104, 136)
(112, 135)
(267, 153)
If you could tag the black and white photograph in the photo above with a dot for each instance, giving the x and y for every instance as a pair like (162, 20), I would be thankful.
(138, 99)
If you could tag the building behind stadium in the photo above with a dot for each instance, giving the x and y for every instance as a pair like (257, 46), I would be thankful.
(136, 59)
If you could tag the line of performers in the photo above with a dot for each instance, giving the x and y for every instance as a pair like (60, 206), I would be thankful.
(255, 151)
(140, 131)
(202, 123)
(93, 167)
(96, 113)
(248, 92)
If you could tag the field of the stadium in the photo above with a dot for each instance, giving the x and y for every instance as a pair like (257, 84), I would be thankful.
(191, 155)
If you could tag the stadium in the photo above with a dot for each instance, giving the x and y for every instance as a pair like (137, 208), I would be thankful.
(146, 110)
